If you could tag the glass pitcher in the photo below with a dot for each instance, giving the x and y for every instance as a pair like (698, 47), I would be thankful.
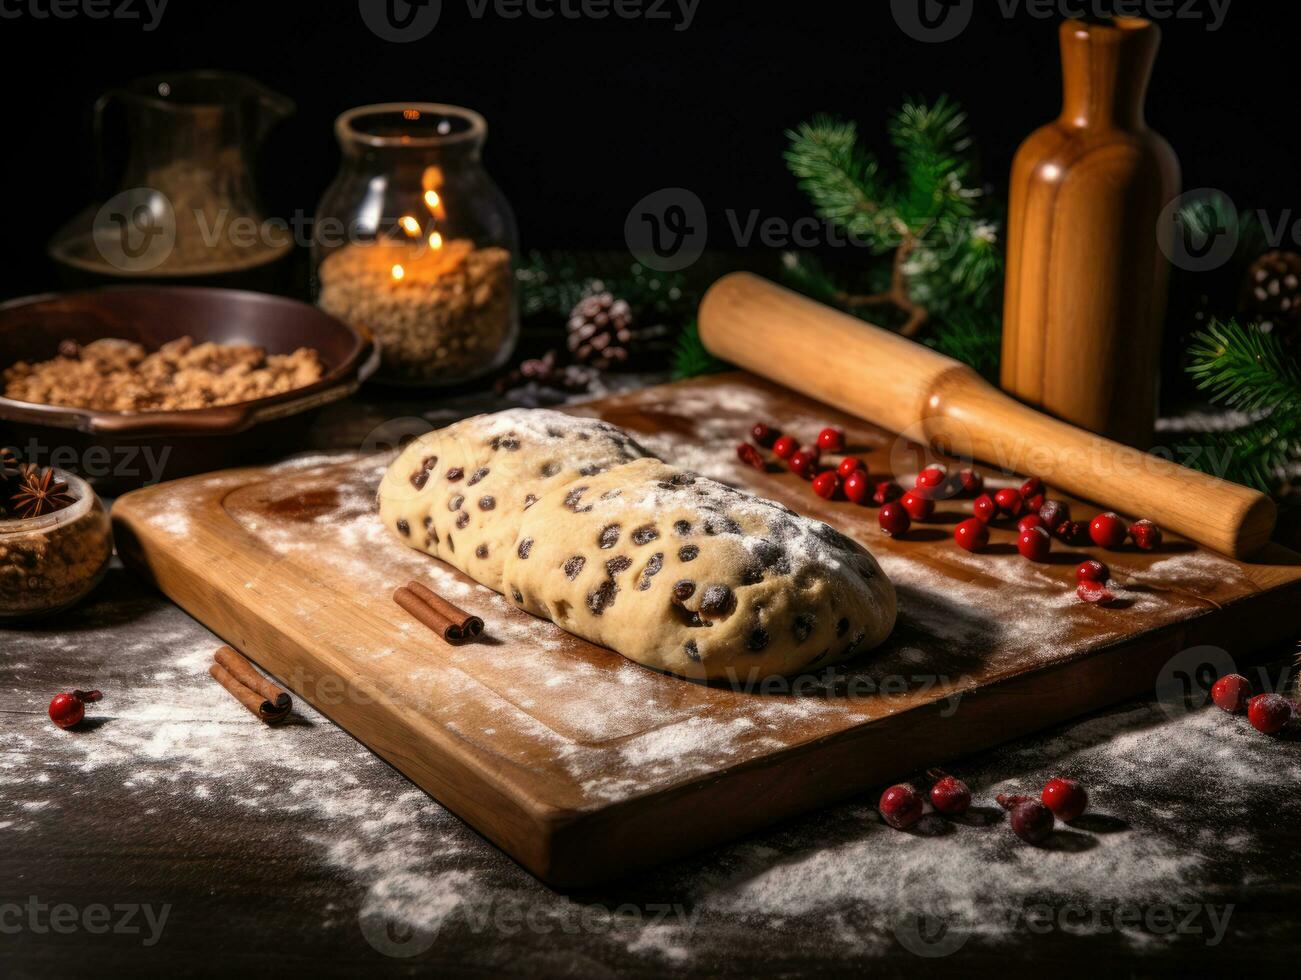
(185, 209)
(414, 243)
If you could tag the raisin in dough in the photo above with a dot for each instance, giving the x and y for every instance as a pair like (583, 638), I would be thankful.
(670, 569)
(460, 493)
(687, 575)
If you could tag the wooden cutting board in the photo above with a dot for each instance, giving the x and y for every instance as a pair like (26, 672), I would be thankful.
(584, 766)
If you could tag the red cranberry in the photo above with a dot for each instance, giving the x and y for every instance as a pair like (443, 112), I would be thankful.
(1054, 513)
(857, 486)
(918, 506)
(1033, 504)
(984, 508)
(803, 463)
(1009, 801)
(826, 484)
(1145, 535)
(1031, 821)
(1009, 502)
(831, 440)
(901, 806)
(748, 455)
(1092, 571)
(1232, 692)
(971, 482)
(1108, 530)
(1096, 593)
(1269, 713)
(887, 491)
(1029, 521)
(1066, 798)
(1034, 544)
(785, 447)
(931, 478)
(67, 710)
(971, 534)
(950, 796)
(849, 465)
(1072, 532)
(894, 520)
(1033, 487)
(764, 435)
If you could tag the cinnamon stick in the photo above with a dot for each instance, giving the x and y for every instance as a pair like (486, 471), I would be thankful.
(247, 696)
(471, 626)
(436, 621)
(243, 671)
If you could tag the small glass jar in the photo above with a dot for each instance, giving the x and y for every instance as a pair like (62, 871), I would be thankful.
(414, 243)
(48, 563)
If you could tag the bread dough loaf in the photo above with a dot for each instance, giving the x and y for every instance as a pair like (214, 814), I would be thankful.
(670, 569)
(461, 493)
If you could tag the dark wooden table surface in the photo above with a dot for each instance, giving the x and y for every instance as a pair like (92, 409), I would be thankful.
(174, 835)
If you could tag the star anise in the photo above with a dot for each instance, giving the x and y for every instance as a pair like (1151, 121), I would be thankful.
(39, 493)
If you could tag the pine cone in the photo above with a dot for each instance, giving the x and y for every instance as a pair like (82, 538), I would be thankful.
(1272, 293)
(601, 332)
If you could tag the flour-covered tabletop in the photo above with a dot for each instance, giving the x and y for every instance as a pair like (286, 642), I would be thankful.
(173, 834)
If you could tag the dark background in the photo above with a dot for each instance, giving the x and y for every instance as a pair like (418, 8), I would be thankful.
(586, 117)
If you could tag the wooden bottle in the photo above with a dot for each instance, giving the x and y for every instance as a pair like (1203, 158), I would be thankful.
(1086, 277)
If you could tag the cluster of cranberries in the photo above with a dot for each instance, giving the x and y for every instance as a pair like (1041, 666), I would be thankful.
(1031, 819)
(848, 479)
(1038, 519)
(1268, 713)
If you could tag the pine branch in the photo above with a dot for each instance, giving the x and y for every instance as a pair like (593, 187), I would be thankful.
(935, 156)
(1244, 368)
(691, 359)
(1249, 371)
(971, 336)
(841, 179)
(946, 276)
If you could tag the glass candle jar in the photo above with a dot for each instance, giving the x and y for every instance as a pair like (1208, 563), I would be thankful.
(414, 243)
(50, 562)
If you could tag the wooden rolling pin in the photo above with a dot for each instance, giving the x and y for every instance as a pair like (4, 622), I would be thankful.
(905, 387)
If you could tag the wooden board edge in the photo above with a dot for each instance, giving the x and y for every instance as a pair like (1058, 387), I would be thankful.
(640, 833)
(507, 811)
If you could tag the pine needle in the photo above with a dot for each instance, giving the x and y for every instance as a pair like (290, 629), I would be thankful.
(691, 359)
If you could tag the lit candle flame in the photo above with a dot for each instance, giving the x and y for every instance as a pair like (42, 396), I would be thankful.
(435, 240)
(432, 200)
(410, 225)
(399, 272)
